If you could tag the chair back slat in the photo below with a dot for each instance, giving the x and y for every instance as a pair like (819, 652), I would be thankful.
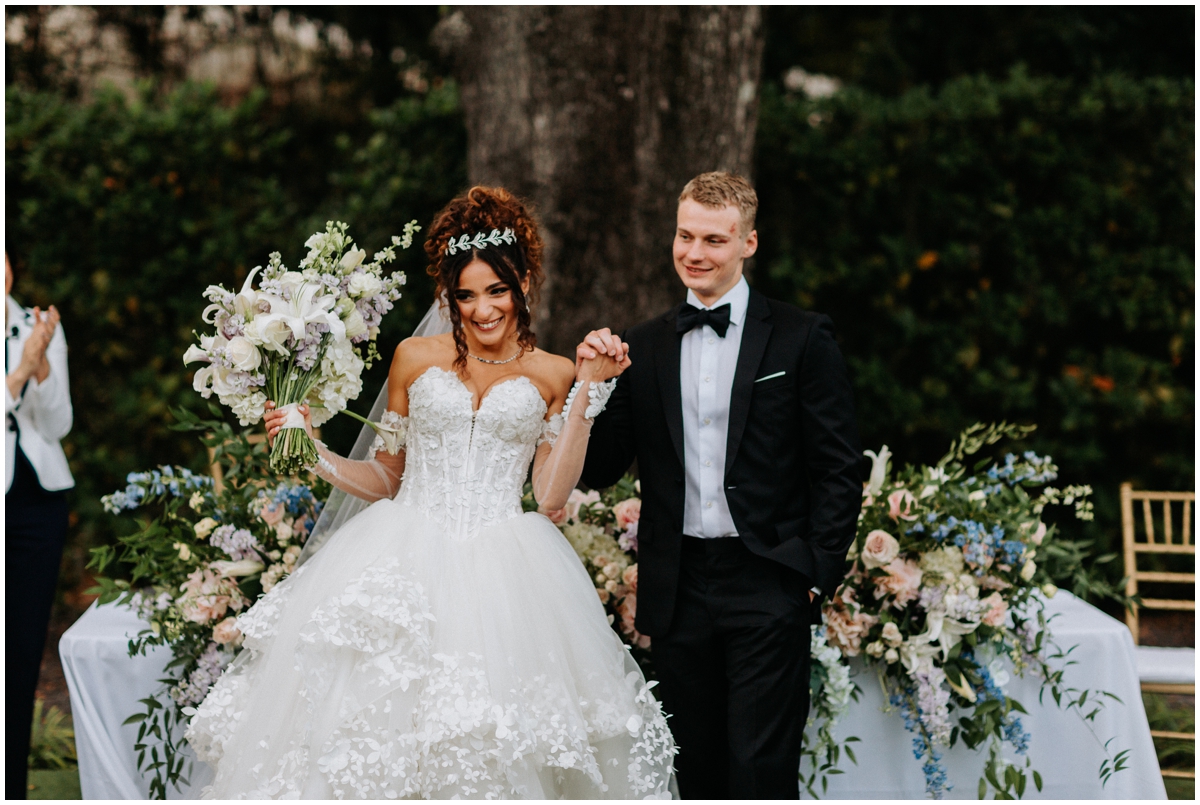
(1167, 541)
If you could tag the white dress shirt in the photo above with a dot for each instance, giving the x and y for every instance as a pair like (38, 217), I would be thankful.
(706, 366)
(42, 412)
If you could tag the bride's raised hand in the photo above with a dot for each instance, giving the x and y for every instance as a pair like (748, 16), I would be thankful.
(273, 420)
(602, 367)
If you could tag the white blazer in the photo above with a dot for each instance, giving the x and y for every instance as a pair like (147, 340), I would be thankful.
(43, 411)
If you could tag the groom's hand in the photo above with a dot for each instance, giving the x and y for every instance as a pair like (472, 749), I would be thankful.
(601, 342)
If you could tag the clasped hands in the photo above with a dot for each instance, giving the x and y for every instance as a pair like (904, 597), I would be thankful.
(601, 356)
(33, 357)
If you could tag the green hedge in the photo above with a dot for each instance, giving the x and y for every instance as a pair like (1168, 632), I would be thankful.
(121, 213)
(1018, 249)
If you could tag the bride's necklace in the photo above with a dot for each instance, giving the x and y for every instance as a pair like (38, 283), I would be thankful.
(520, 352)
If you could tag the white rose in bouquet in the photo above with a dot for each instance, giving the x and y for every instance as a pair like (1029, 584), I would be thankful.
(364, 285)
(242, 354)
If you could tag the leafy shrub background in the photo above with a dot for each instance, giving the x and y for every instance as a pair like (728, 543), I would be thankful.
(1018, 248)
(1008, 247)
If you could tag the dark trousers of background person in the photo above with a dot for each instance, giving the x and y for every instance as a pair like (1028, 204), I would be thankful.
(733, 671)
(35, 528)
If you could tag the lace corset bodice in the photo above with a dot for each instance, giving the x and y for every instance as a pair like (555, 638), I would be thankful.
(466, 469)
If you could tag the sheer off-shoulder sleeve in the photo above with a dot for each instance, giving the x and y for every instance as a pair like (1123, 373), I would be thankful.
(377, 477)
(563, 447)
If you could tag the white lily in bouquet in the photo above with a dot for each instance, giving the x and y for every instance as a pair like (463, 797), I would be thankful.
(301, 337)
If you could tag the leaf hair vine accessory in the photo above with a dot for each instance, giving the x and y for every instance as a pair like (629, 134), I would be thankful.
(479, 240)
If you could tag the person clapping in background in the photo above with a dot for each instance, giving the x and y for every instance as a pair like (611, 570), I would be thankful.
(37, 407)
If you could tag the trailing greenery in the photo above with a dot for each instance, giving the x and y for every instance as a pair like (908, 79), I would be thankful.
(1016, 249)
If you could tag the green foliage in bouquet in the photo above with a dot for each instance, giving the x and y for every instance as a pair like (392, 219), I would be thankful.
(945, 599)
(196, 557)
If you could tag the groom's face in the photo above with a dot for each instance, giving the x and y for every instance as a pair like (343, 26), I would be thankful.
(710, 248)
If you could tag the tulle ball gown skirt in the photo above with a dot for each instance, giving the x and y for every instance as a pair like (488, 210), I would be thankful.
(401, 663)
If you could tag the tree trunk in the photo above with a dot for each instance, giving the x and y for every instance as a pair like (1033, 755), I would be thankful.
(599, 116)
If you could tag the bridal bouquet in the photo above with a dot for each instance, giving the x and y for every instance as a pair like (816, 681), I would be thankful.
(301, 337)
(196, 557)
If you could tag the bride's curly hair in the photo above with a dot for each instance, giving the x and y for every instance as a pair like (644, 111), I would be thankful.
(480, 210)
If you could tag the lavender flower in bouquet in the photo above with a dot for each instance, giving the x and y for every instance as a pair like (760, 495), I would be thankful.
(301, 337)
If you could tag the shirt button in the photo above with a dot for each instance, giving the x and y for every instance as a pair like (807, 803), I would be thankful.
(708, 380)
(712, 340)
(707, 421)
(708, 463)
(708, 505)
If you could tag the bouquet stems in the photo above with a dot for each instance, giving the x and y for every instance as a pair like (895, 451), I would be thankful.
(294, 450)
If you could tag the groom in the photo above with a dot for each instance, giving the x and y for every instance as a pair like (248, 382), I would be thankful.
(739, 413)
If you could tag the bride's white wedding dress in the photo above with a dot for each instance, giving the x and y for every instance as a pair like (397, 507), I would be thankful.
(441, 644)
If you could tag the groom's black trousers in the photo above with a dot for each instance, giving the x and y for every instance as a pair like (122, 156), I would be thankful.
(733, 671)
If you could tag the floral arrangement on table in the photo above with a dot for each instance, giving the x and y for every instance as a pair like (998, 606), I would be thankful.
(946, 587)
(198, 556)
(945, 592)
(299, 337)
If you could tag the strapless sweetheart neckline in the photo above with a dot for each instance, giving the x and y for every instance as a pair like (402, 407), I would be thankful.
(487, 392)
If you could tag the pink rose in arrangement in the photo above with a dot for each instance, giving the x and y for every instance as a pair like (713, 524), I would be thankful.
(879, 549)
(900, 505)
(207, 596)
(627, 611)
(627, 512)
(272, 513)
(846, 631)
(226, 632)
(903, 582)
(997, 610)
(630, 577)
(578, 499)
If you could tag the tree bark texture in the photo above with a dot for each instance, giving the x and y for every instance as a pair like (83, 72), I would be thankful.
(598, 116)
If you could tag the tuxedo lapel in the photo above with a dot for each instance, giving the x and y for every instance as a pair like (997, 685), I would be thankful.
(750, 354)
(666, 358)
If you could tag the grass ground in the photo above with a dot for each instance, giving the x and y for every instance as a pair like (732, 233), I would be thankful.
(54, 784)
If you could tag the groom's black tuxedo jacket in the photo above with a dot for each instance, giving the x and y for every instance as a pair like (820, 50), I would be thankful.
(792, 459)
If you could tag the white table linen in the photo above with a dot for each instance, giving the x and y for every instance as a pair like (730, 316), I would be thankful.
(105, 684)
(1066, 753)
(1166, 665)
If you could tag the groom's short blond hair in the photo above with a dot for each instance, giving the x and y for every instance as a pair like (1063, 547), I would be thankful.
(719, 189)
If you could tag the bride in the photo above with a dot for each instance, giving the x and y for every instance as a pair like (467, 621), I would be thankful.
(442, 644)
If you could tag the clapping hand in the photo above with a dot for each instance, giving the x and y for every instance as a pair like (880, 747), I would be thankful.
(33, 357)
(601, 356)
(273, 421)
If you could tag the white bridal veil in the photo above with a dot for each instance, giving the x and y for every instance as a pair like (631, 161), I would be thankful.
(341, 507)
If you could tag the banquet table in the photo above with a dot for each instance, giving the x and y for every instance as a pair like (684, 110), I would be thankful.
(105, 684)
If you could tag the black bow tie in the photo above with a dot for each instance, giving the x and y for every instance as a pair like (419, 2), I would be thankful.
(690, 317)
